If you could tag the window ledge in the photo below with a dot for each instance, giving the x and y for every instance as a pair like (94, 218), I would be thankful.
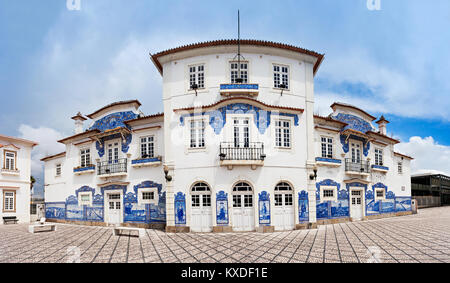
(84, 170)
(380, 168)
(146, 162)
(10, 172)
(320, 161)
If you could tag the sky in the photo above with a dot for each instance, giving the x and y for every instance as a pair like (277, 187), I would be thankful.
(56, 60)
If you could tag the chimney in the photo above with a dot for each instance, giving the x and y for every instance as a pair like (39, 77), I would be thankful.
(79, 119)
(382, 122)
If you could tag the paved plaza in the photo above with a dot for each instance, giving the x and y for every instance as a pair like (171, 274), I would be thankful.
(416, 238)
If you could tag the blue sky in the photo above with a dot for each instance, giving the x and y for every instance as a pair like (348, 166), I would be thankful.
(55, 62)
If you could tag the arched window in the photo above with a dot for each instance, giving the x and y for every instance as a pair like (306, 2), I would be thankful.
(201, 187)
(242, 187)
(283, 187)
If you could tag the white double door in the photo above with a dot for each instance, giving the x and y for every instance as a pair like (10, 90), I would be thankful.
(114, 211)
(283, 212)
(243, 212)
(356, 204)
(201, 213)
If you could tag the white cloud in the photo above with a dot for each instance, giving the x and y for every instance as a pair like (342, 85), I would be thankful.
(48, 145)
(429, 156)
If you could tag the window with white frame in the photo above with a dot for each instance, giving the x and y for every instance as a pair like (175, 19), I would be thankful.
(197, 76)
(400, 168)
(148, 147)
(197, 133)
(327, 147)
(85, 157)
(85, 198)
(239, 73)
(10, 160)
(378, 157)
(329, 193)
(380, 194)
(148, 196)
(58, 169)
(283, 133)
(280, 76)
(9, 201)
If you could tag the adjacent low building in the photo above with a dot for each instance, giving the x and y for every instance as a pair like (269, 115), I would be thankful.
(15, 173)
(237, 148)
(430, 189)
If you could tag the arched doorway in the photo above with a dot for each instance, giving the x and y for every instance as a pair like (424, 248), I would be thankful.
(201, 212)
(283, 207)
(243, 207)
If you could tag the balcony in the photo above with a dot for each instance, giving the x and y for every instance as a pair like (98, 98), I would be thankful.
(357, 168)
(328, 161)
(239, 89)
(242, 154)
(146, 161)
(112, 168)
(380, 168)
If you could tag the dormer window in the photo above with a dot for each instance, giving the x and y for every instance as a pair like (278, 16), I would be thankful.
(239, 75)
(196, 76)
(9, 160)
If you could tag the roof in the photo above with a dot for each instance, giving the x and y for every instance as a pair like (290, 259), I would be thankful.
(61, 154)
(145, 117)
(382, 119)
(352, 107)
(329, 119)
(32, 143)
(79, 135)
(402, 155)
(114, 104)
(79, 117)
(383, 136)
(242, 98)
(155, 57)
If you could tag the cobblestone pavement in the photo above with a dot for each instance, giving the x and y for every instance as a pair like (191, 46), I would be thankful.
(415, 238)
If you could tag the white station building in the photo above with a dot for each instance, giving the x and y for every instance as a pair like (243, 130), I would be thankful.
(15, 173)
(237, 148)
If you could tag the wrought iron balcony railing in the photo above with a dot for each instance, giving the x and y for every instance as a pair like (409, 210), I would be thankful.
(360, 167)
(112, 167)
(242, 151)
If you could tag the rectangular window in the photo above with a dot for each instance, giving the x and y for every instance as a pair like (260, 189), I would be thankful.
(197, 133)
(85, 157)
(288, 199)
(10, 160)
(278, 200)
(400, 168)
(148, 195)
(378, 157)
(283, 134)
(197, 76)
(327, 147)
(9, 201)
(237, 201)
(206, 200)
(85, 199)
(148, 147)
(235, 74)
(195, 201)
(328, 193)
(248, 201)
(380, 194)
(280, 76)
(58, 169)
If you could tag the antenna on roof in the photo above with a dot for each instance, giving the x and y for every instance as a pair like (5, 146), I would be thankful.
(239, 79)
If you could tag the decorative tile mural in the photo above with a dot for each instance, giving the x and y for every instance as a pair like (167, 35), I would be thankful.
(262, 118)
(332, 209)
(180, 209)
(354, 122)
(113, 121)
(222, 208)
(303, 207)
(264, 208)
(55, 210)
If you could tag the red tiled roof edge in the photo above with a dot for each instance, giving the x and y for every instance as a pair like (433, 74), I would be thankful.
(114, 104)
(353, 107)
(80, 134)
(383, 136)
(319, 56)
(242, 98)
(53, 156)
(403, 155)
(145, 117)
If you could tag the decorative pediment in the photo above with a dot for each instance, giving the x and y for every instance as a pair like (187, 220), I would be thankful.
(113, 121)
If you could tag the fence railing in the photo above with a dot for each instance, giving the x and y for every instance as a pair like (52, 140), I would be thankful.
(361, 166)
(111, 167)
(242, 151)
